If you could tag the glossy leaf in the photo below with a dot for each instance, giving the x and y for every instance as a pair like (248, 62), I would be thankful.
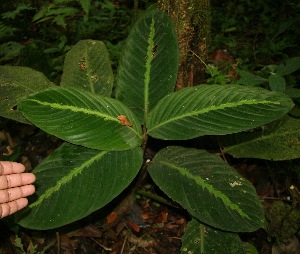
(214, 110)
(279, 140)
(211, 191)
(16, 83)
(83, 118)
(200, 238)
(149, 64)
(87, 66)
(75, 181)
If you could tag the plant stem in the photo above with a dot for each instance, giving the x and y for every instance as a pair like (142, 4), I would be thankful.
(155, 197)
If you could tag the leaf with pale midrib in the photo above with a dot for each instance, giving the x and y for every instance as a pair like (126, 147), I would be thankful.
(82, 118)
(214, 110)
(208, 188)
(75, 181)
(87, 66)
(149, 63)
(200, 238)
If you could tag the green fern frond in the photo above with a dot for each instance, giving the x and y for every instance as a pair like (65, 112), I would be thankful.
(13, 14)
(58, 11)
(86, 5)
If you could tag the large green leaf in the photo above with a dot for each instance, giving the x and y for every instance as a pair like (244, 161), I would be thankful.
(82, 118)
(16, 83)
(75, 181)
(199, 238)
(149, 64)
(279, 140)
(87, 66)
(214, 110)
(211, 191)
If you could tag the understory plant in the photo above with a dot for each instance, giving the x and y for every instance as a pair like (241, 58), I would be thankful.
(105, 137)
(275, 77)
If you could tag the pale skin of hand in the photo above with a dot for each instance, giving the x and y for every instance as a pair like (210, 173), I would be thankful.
(15, 186)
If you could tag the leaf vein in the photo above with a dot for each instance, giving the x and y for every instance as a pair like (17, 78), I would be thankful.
(76, 109)
(148, 67)
(213, 108)
(210, 188)
(66, 179)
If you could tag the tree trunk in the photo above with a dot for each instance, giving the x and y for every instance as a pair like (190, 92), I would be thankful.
(192, 22)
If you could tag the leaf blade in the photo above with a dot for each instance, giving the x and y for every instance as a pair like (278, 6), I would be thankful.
(214, 110)
(78, 181)
(291, 65)
(87, 66)
(250, 79)
(148, 66)
(200, 238)
(82, 118)
(277, 83)
(211, 191)
(15, 84)
(276, 141)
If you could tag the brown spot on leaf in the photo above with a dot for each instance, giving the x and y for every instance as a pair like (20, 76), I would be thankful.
(124, 120)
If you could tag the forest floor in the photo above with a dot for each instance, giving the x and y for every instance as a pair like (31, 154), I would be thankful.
(139, 224)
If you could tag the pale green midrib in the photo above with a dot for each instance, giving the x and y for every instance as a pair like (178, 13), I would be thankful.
(89, 74)
(66, 179)
(214, 108)
(83, 110)
(150, 41)
(75, 109)
(216, 193)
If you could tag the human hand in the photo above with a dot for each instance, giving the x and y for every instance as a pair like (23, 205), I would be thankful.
(15, 186)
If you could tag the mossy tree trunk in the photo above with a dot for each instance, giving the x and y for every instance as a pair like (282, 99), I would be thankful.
(192, 21)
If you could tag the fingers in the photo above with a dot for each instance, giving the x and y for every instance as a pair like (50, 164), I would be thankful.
(16, 193)
(15, 186)
(14, 180)
(8, 167)
(12, 207)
